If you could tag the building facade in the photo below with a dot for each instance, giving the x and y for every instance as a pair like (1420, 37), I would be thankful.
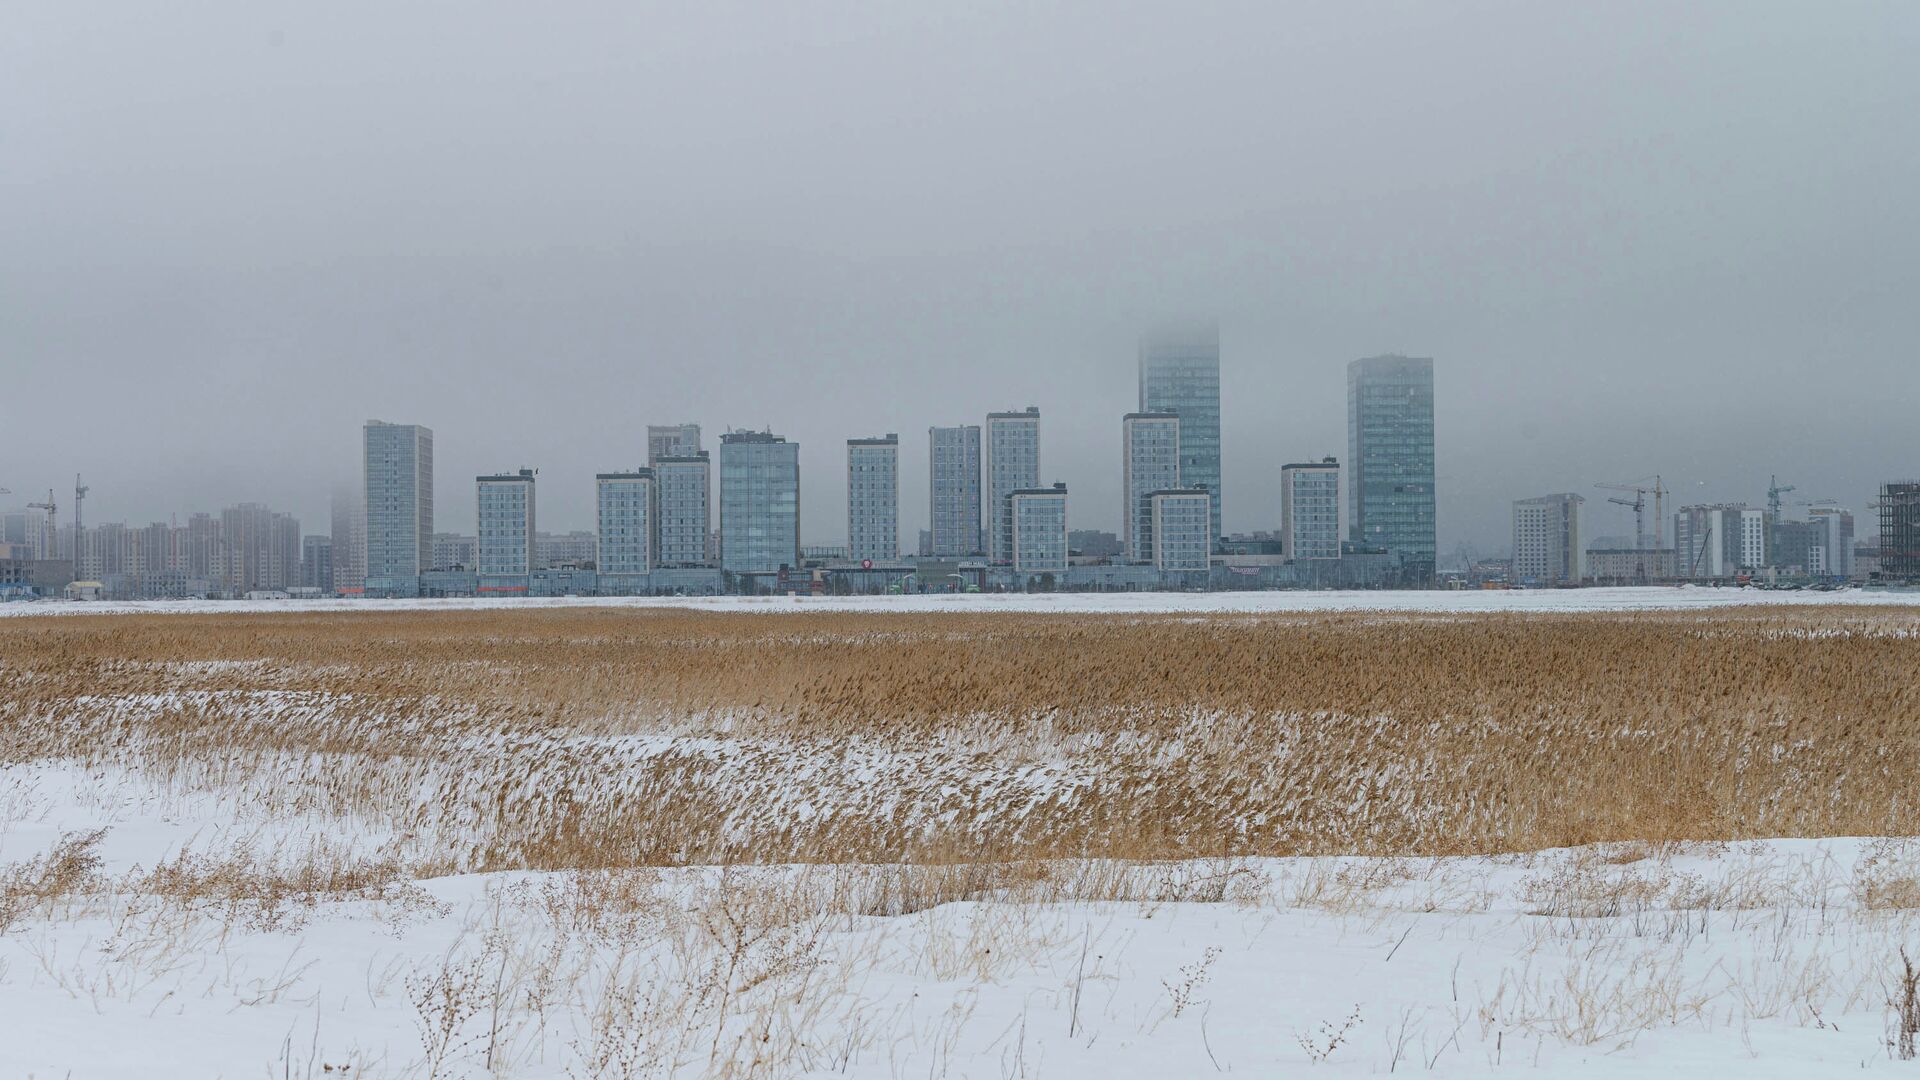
(625, 520)
(873, 498)
(505, 553)
(316, 563)
(1149, 462)
(397, 502)
(258, 550)
(1899, 507)
(1180, 373)
(349, 530)
(576, 548)
(1830, 555)
(1720, 540)
(1181, 522)
(953, 486)
(1629, 566)
(1548, 546)
(759, 502)
(1039, 529)
(1390, 461)
(671, 440)
(452, 551)
(684, 485)
(1013, 464)
(1310, 509)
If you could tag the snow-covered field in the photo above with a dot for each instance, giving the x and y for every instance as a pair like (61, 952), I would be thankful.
(1765, 959)
(498, 846)
(1680, 598)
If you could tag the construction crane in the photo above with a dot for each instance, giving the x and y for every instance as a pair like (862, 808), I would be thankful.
(1774, 490)
(46, 524)
(1640, 492)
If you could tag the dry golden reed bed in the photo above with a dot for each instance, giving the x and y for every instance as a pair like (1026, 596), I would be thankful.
(600, 738)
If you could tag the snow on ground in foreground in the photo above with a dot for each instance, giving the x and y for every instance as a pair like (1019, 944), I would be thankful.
(1769, 959)
(1530, 600)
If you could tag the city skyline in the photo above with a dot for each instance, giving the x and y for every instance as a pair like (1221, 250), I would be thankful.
(225, 247)
(685, 437)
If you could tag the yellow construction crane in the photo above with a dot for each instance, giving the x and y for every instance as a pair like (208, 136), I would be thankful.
(1640, 492)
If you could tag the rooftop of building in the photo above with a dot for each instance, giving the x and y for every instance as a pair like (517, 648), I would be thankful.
(525, 475)
(1031, 412)
(642, 473)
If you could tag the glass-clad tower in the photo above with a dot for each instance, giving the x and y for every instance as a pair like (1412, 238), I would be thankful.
(1180, 373)
(1390, 498)
(759, 502)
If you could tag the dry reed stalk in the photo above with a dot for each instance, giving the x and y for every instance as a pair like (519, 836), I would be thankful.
(570, 739)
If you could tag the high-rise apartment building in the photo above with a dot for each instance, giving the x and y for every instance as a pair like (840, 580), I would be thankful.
(1390, 491)
(1716, 541)
(1181, 521)
(203, 550)
(759, 502)
(1013, 464)
(260, 550)
(1180, 373)
(671, 440)
(349, 527)
(1310, 509)
(452, 551)
(953, 485)
(1149, 462)
(684, 484)
(316, 563)
(1548, 546)
(1831, 553)
(1038, 519)
(504, 550)
(576, 547)
(397, 500)
(873, 498)
(29, 532)
(625, 519)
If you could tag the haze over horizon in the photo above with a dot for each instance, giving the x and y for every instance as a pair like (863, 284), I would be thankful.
(1633, 238)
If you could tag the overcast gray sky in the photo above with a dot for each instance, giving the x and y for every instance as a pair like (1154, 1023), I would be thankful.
(1634, 237)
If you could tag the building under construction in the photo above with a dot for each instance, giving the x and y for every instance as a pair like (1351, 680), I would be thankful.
(1900, 531)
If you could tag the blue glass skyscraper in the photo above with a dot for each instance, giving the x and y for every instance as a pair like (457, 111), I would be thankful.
(759, 502)
(1390, 496)
(1180, 373)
